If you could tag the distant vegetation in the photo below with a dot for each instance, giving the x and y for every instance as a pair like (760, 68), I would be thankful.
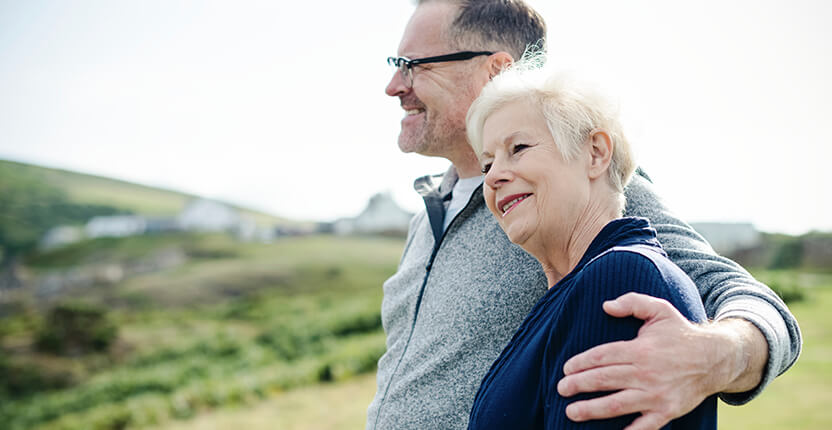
(811, 251)
(234, 323)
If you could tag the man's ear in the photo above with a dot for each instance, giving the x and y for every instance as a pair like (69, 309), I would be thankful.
(498, 62)
(601, 147)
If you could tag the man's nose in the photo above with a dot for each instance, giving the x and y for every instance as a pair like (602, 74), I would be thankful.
(396, 87)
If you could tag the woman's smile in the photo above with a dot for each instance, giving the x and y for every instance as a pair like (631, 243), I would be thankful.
(508, 204)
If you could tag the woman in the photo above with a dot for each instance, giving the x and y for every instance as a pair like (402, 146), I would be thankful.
(555, 164)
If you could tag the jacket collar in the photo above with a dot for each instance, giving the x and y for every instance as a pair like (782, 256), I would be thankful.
(441, 184)
(436, 192)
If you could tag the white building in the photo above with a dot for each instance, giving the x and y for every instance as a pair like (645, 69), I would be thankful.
(381, 216)
(60, 236)
(208, 215)
(115, 226)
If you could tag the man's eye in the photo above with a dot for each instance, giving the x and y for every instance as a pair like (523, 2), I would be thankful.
(486, 168)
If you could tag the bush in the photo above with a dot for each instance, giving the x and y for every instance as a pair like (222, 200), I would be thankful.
(291, 343)
(76, 328)
(788, 255)
(19, 380)
(790, 291)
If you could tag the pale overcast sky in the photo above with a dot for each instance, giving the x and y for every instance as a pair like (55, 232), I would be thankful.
(280, 106)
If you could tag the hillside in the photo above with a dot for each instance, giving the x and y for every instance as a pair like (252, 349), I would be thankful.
(84, 189)
(33, 199)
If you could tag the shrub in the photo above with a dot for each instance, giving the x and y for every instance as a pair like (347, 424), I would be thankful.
(24, 379)
(291, 343)
(789, 255)
(75, 328)
(788, 290)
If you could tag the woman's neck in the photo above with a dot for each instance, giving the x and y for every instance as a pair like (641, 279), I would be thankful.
(559, 259)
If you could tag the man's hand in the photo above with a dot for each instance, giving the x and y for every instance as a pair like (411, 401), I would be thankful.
(668, 369)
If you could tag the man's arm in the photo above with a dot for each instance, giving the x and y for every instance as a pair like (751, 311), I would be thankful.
(727, 290)
(664, 378)
(753, 338)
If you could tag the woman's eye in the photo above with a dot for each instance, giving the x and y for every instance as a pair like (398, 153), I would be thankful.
(486, 168)
(519, 147)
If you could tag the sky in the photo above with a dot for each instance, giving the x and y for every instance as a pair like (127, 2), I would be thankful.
(280, 106)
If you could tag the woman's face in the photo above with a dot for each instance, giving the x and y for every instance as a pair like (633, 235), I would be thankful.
(535, 194)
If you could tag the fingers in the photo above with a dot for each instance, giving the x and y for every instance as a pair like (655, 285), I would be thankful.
(602, 355)
(612, 405)
(648, 421)
(641, 306)
(607, 378)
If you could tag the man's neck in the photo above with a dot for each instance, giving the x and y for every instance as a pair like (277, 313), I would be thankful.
(467, 165)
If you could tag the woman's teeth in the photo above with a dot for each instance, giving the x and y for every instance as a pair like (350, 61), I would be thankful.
(508, 205)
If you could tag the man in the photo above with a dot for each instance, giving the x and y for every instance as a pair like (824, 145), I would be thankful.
(462, 288)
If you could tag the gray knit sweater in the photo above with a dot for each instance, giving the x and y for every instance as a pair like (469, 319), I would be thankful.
(458, 297)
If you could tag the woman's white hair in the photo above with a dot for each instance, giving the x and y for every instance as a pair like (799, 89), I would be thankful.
(572, 112)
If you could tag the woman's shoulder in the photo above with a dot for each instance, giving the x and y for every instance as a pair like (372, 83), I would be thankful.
(642, 269)
(642, 258)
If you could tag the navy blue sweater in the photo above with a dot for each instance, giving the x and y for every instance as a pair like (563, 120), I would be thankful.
(520, 389)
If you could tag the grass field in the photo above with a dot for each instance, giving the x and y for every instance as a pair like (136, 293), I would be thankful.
(318, 407)
(800, 398)
(234, 324)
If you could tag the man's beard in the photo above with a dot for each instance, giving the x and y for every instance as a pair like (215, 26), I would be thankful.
(431, 136)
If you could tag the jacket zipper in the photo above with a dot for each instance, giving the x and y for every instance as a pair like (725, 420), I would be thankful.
(437, 245)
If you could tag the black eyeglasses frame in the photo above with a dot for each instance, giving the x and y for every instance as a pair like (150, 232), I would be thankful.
(405, 65)
(456, 56)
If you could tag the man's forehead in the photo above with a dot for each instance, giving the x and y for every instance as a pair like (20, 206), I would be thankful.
(423, 35)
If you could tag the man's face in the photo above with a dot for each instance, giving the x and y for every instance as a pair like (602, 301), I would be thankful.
(436, 105)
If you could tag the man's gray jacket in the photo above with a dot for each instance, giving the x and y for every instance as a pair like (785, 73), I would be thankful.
(458, 297)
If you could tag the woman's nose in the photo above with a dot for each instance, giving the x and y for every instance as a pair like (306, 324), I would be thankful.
(497, 175)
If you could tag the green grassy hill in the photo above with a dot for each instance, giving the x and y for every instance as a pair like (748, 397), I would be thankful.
(84, 189)
(34, 199)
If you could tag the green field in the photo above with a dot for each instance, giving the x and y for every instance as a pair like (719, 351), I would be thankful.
(800, 398)
(235, 324)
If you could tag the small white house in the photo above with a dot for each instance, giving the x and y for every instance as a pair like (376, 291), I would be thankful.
(208, 215)
(382, 215)
(60, 236)
(115, 226)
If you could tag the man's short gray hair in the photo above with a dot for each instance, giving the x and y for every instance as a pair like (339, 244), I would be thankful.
(572, 112)
(494, 25)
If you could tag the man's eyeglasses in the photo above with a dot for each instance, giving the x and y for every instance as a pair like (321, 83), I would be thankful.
(405, 65)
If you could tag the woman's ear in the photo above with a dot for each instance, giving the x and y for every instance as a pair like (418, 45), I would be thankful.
(498, 62)
(600, 151)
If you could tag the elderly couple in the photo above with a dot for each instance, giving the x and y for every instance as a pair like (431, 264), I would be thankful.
(545, 285)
